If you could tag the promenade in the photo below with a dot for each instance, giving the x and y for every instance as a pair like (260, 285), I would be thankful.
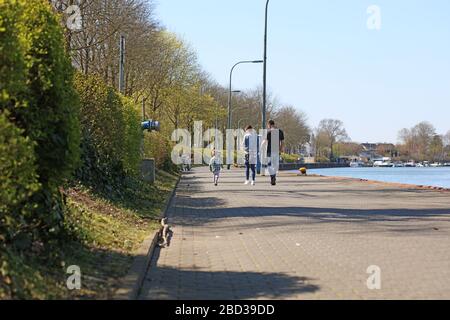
(306, 238)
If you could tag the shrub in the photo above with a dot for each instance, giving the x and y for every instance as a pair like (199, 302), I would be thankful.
(290, 158)
(52, 116)
(111, 135)
(12, 50)
(157, 146)
(37, 90)
(18, 181)
(133, 137)
(103, 129)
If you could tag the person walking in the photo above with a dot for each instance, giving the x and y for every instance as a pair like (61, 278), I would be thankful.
(215, 166)
(251, 153)
(274, 138)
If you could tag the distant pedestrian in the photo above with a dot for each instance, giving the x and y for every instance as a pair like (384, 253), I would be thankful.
(275, 138)
(215, 166)
(250, 146)
(186, 163)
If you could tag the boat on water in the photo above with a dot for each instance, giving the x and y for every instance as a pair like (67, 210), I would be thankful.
(398, 165)
(356, 164)
(383, 163)
(410, 164)
(436, 165)
(447, 164)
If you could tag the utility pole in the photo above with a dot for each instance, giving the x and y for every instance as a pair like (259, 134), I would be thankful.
(143, 109)
(230, 92)
(264, 109)
(122, 65)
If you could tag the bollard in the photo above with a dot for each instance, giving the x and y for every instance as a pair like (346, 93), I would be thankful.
(148, 170)
(303, 171)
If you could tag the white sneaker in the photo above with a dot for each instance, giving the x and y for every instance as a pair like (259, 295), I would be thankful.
(247, 182)
(253, 183)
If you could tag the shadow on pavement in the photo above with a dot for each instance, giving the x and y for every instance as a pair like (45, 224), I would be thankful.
(195, 211)
(170, 283)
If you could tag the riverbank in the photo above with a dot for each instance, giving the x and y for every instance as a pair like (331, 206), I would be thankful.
(295, 166)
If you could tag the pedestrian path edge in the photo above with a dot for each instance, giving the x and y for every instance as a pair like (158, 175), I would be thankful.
(130, 286)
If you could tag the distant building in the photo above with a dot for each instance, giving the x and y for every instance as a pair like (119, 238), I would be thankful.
(369, 147)
(369, 152)
(376, 151)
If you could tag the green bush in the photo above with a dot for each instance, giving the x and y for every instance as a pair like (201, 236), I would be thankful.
(37, 91)
(103, 129)
(290, 158)
(157, 146)
(133, 137)
(111, 135)
(52, 116)
(18, 181)
(47, 107)
(12, 51)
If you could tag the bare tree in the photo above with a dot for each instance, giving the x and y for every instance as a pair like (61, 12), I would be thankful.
(446, 139)
(248, 106)
(320, 145)
(436, 149)
(417, 140)
(294, 125)
(333, 130)
(447, 145)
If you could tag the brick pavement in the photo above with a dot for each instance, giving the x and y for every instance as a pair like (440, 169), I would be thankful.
(306, 238)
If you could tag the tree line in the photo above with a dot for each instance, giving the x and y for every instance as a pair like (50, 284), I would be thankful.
(63, 121)
(419, 143)
(162, 71)
(423, 143)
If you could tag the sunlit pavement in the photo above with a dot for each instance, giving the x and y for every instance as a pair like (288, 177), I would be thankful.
(306, 238)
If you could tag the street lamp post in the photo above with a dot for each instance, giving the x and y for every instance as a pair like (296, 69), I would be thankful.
(122, 65)
(265, 70)
(230, 90)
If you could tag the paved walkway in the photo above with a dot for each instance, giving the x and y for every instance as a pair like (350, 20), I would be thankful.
(306, 238)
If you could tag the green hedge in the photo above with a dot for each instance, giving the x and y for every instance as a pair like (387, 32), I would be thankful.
(13, 46)
(133, 137)
(111, 135)
(52, 116)
(18, 180)
(37, 91)
(41, 100)
(290, 158)
(157, 146)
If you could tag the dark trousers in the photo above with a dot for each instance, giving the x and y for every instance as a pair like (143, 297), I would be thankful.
(249, 167)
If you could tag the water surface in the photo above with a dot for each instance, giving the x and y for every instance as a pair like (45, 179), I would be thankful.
(436, 177)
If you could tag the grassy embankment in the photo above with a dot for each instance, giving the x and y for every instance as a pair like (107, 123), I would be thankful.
(104, 233)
